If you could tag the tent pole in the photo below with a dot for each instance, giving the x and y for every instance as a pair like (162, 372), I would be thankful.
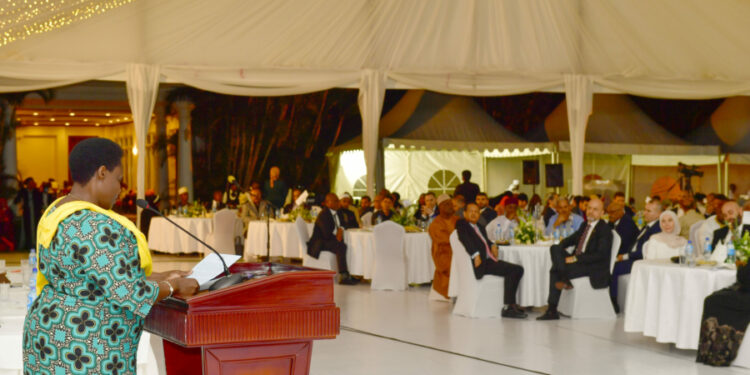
(726, 174)
(718, 176)
(484, 172)
(628, 178)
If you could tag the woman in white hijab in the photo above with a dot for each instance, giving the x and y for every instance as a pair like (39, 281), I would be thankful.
(668, 243)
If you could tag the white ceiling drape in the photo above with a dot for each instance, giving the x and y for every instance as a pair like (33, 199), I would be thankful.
(669, 48)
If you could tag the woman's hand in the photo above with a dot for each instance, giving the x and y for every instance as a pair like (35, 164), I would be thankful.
(168, 275)
(185, 286)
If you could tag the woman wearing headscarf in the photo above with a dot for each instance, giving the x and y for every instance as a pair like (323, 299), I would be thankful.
(95, 284)
(668, 242)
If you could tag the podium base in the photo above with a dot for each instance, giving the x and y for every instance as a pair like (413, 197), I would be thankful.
(271, 358)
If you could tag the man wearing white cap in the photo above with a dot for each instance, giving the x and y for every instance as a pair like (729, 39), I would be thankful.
(184, 197)
(347, 215)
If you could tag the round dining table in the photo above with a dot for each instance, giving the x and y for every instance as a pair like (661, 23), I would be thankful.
(665, 300)
(360, 255)
(284, 239)
(163, 236)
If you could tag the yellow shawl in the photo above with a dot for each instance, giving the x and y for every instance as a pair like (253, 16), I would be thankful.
(49, 223)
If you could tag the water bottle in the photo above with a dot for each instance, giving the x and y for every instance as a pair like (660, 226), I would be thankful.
(707, 249)
(557, 236)
(379, 219)
(32, 279)
(689, 258)
(731, 255)
(512, 239)
(498, 232)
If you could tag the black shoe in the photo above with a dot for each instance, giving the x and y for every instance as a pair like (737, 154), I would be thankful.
(549, 315)
(514, 312)
(348, 280)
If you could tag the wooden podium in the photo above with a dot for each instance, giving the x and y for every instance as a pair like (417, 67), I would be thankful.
(264, 325)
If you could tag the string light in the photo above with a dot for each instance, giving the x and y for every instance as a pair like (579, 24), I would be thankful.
(24, 18)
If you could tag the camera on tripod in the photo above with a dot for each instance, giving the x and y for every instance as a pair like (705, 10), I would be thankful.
(689, 170)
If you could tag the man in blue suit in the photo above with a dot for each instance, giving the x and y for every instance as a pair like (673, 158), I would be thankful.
(628, 232)
(635, 252)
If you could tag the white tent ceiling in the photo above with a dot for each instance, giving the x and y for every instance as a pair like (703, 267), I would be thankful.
(669, 48)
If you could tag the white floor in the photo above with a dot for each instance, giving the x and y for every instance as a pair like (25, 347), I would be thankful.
(404, 333)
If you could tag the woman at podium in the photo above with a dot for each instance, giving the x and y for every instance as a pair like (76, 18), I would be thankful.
(95, 285)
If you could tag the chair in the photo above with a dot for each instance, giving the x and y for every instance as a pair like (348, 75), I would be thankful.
(622, 290)
(366, 220)
(390, 260)
(585, 302)
(326, 259)
(693, 233)
(743, 355)
(225, 230)
(475, 298)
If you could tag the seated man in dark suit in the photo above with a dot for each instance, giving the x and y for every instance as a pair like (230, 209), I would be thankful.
(628, 232)
(328, 235)
(486, 214)
(484, 255)
(625, 260)
(593, 248)
(733, 218)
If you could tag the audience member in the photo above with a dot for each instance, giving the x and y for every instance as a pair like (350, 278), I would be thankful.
(550, 208)
(726, 314)
(7, 230)
(732, 214)
(292, 205)
(625, 260)
(183, 198)
(459, 204)
(591, 257)
(147, 215)
(255, 208)
(231, 197)
(328, 235)
(467, 189)
(365, 205)
(502, 225)
(428, 210)
(348, 218)
(619, 197)
(700, 203)
(687, 213)
(397, 201)
(523, 203)
(29, 198)
(667, 243)
(275, 189)
(216, 203)
(386, 210)
(486, 214)
(705, 232)
(440, 230)
(564, 219)
(485, 258)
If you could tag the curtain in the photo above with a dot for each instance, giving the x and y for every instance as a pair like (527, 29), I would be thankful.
(142, 86)
(371, 95)
(28, 76)
(579, 98)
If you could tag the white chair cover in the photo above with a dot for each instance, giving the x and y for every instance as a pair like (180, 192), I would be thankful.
(743, 355)
(390, 261)
(475, 298)
(585, 302)
(622, 290)
(326, 259)
(693, 233)
(225, 230)
(366, 220)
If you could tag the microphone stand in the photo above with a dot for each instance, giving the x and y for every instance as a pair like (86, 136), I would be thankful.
(268, 211)
(229, 279)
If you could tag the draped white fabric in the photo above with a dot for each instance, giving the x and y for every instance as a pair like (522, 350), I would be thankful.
(371, 95)
(142, 86)
(670, 48)
(579, 97)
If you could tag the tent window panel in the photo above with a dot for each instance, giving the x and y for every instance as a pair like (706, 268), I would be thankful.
(443, 182)
(360, 187)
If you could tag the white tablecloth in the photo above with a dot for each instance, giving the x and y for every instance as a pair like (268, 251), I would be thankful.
(360, 255)
(165, 237)
(12, 314)
(665, 300)
(536, 262)
(284, 239)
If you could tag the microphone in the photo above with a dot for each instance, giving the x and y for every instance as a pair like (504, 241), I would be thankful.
(228, 280)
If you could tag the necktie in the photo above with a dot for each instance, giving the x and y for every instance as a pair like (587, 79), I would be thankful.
(486, 247)
(579, 248)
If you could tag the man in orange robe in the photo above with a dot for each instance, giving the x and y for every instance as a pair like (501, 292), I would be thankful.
(440, 230)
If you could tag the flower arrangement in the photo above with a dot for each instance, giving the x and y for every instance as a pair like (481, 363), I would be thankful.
(742, 247)
(526, 232)
(405, 217)
(302, 212)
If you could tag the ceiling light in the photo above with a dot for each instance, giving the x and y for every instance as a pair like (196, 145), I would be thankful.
(67, 124)
(72, 113)
(110, 121)
(52, 119)
(36, 124)
(85, 120)
(135, 150)
(107, 114)
(36, 113)
(97, 124)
